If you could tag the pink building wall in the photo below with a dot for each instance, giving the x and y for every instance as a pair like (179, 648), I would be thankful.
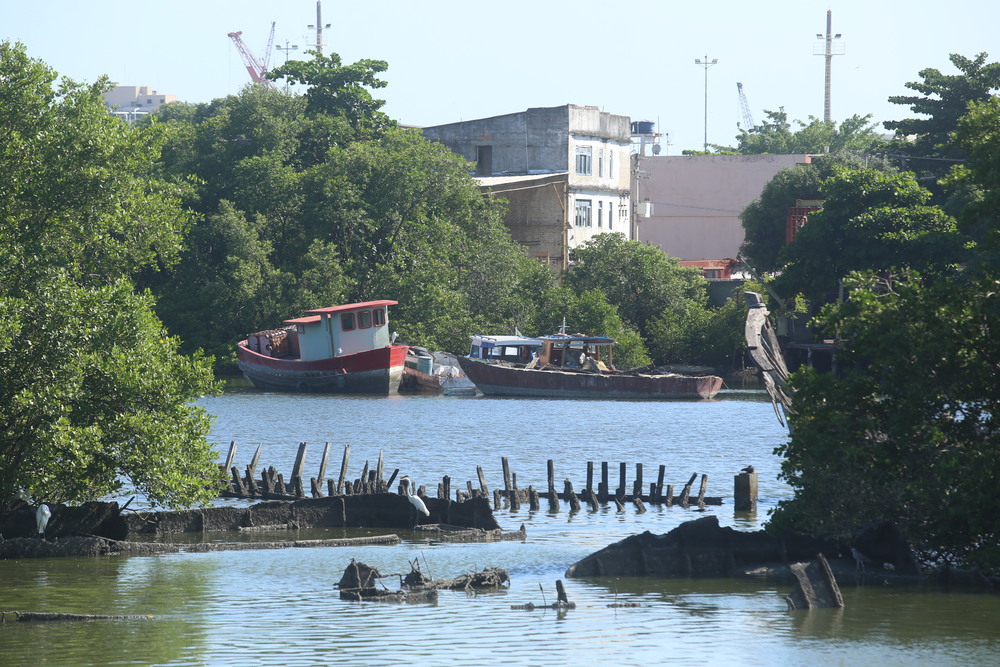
(697, 200)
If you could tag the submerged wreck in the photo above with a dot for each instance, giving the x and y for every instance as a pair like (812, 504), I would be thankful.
(364, 582)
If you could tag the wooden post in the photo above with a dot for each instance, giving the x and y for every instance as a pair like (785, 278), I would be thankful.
(532, 499)
(392, 478)
(686, 493)
(561, 592)
(670, 495)
(604, 483)
(378, 468)
(618, 504)
(620, 491)
(637, 484)
(343, 469)
(590, 476)
(515, 502)
(591, 499)
(238, 486)
(300, 459)
(482, 482)
(322, 464)
(553, 498)
(745, 492)
(446, 484)
(639, 505)
(254, 461)
(364, 478)
(496, 500)
(230, 456)
(472, 492)
(506, 475)
(701, 491)
(331, 487)
(574, 501)
(659, 483)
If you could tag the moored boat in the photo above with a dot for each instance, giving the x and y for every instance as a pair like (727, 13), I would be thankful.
(571, 366)
(338, 349)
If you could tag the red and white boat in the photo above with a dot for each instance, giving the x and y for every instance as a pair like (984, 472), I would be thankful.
(340, 349)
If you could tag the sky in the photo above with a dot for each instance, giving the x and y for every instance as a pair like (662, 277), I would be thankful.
(450, 60)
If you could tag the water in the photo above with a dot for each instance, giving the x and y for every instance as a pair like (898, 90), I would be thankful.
(282, 606)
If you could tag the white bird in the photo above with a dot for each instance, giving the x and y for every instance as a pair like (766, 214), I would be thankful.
(42, 515)
(410, 492)
(860, 559)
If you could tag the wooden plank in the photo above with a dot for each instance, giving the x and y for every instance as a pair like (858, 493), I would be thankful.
(482, 482)
(343, 469)
(300, 459)
(230, 456)
(322, 463)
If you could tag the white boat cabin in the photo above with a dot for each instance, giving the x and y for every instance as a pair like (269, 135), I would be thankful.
(334, 331)
(518, 349)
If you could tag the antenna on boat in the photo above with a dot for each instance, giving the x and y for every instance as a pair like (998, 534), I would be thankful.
(562, 329)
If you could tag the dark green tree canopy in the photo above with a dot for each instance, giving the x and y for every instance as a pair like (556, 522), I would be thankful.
(870, 221)
(943, 99)
(93, 393)
(775, 136)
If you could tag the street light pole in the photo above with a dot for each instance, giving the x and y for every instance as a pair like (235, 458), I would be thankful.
(706, 63)
(286, 49)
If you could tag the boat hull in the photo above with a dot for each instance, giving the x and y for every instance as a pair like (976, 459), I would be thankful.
(376, 371)
(504, 380)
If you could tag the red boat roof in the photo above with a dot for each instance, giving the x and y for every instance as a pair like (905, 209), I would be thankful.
(351, 306)
(303, 320)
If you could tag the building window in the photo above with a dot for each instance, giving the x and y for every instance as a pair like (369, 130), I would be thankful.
(583, 158)
(611, 169)
(600, 163)
(600, 214)
(583, 207)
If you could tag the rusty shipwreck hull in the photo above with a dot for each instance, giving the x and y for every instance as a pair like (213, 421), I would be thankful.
(494, 379)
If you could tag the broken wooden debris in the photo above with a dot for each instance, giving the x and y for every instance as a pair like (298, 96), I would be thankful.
(36, 616)
(815, 586)
(363, 582)
(273, 486)
(562, 601)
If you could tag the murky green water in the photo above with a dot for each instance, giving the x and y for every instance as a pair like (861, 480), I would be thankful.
(282, 607)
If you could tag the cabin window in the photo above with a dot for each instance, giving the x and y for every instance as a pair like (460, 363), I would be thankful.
(364, 319)
(347, 322)
(379, 317)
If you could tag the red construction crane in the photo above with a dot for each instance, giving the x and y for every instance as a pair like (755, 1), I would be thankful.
(254, 65)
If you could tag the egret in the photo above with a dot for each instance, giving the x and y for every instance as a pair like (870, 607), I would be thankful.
(410, 492)
(42, 515)
(860, 559)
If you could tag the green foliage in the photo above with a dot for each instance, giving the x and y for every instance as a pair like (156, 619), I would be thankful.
(640, 279)
(943, 99)
(93, 392)
(870, 220)
(764, 218)
(774, 136)
(701, 335)
(340, 91)
(909, 433)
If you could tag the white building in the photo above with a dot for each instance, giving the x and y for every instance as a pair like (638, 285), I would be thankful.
(564, 170)
(131, 102)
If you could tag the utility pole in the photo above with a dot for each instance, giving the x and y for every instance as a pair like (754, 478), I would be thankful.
(287, 48)
(319, 27)
(830, 50)
(706, 63)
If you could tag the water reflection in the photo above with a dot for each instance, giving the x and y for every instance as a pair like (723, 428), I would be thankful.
(251, 606)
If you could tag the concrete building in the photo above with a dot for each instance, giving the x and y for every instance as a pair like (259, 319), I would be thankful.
(565, 171)
(130, 102)
(691, 204)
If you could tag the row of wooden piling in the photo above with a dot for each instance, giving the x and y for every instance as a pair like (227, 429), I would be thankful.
(272, 485)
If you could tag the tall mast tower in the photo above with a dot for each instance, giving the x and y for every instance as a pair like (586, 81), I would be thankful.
(831, 49)
(319, 27)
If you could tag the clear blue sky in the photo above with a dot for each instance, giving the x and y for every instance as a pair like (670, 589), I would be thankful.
(453, 60)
